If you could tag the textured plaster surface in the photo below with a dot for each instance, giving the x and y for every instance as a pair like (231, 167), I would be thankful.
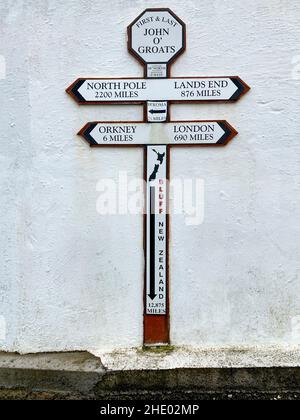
(195, 358)
(71, 279)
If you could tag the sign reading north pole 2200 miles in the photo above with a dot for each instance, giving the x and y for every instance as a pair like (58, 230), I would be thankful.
(177, 89)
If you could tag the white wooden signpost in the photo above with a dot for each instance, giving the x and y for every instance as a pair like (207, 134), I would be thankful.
(156, 38)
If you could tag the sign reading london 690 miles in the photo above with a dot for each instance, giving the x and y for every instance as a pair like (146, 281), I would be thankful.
(200, 133)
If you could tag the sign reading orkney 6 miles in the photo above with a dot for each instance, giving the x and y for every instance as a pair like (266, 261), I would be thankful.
(156, 38)
(198, 133)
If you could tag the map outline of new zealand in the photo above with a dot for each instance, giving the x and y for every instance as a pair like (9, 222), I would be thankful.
(160, 158)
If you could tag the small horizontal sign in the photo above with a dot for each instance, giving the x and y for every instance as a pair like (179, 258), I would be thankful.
(156, 71)
(157, 111)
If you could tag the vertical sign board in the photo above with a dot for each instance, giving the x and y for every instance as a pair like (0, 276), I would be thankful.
(156, 38)
(156, 237)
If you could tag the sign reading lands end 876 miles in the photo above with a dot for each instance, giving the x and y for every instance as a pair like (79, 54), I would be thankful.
(156, 38)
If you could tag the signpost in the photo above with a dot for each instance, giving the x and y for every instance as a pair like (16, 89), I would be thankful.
(156, 38)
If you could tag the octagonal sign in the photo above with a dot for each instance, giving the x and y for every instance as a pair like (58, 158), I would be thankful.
(156, 36)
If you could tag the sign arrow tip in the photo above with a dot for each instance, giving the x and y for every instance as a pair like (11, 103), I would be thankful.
(229, 133)
(242, 88)
(85, 132)
(73, 91)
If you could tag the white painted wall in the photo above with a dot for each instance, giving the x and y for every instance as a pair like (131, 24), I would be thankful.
(71, 279)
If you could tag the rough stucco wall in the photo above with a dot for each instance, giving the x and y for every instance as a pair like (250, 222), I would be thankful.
(71, 279)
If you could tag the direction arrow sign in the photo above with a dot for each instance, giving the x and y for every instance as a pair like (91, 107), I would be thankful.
(157, 111)
(176, 133)
(156, 36)
(136, 91)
